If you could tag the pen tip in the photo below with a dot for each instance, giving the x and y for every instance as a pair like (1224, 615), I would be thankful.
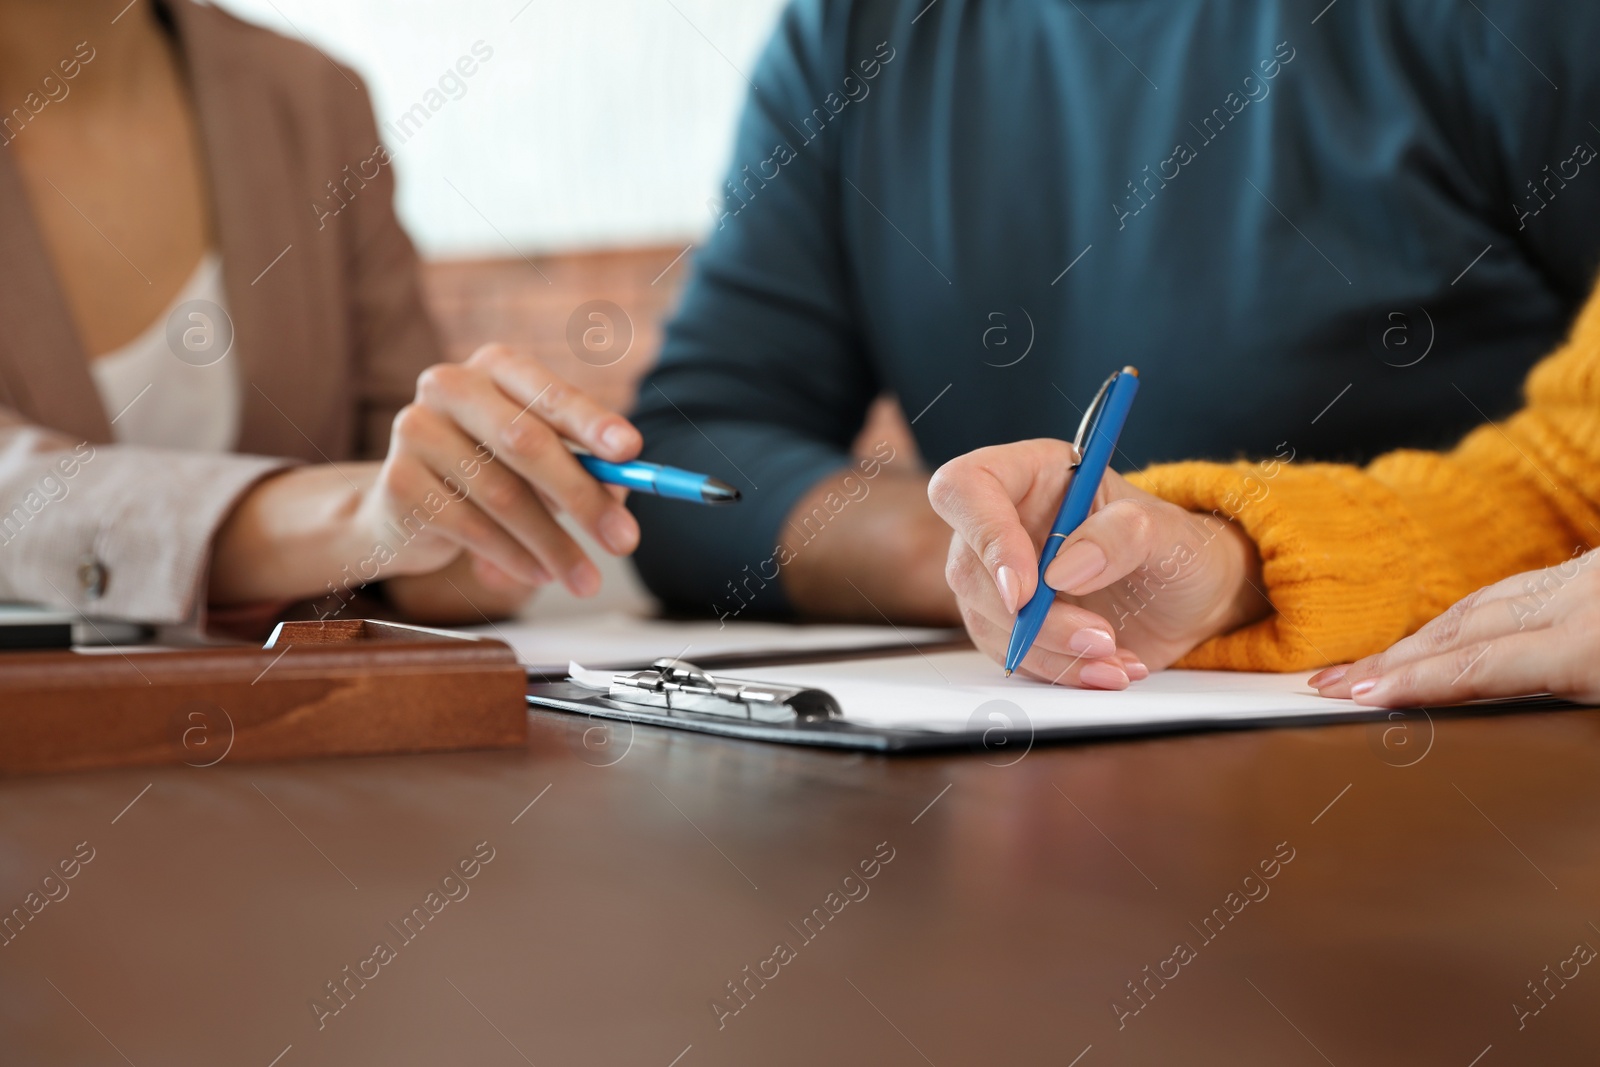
(1008, 673)
(717, 491)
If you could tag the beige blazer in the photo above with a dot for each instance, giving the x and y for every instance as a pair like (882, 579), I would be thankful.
(329, 332)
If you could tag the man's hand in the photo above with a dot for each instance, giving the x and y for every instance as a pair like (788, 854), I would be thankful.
(1140, 583)
(1537, 632)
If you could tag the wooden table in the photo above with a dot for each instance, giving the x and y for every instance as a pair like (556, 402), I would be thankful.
(1435, 871)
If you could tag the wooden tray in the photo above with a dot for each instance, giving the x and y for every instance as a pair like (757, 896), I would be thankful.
(344, 688)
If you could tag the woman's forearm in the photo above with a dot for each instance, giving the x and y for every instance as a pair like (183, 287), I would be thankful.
(291, 536)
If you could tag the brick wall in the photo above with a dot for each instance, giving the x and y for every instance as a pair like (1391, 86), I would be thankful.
(529, 304)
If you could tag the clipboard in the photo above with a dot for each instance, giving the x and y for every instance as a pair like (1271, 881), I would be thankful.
(678, 694)
(681, 696)
(824, 733)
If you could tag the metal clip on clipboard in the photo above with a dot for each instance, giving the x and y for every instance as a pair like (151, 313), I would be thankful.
(678, 685)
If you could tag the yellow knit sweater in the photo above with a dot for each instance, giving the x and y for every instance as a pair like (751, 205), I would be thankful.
(1356, 558)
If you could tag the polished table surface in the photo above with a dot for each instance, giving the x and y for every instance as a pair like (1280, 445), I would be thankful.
(1424, 872)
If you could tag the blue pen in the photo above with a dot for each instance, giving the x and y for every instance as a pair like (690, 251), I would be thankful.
(1103, 424)
(669, 482)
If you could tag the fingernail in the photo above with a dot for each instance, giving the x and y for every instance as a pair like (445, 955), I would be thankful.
(1092, 642)
(1010, 588)
(618, 531)
(1077, 564)
(1137, 671)
(1361, 689)
(1102, 675)
(584, 579)
(1324, 678)
(618, 437)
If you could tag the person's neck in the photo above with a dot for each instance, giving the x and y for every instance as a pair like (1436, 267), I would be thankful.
(37, 36)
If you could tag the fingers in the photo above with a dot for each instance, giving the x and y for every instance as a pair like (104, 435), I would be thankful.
(1519, 664)
(442, 509)
(573, 413)
(1483, 616)
(1133, 665)
(532, 447)
(492, 577)
(991, 498)
(1107, 668)
(1540, 586)
(1067, 627)
(499, 497)
(1526, 634)
(979, 494)
(1329, 677)
(1114, 542)
(1074, 647)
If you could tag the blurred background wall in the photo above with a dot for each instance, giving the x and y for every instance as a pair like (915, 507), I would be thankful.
(593, 123)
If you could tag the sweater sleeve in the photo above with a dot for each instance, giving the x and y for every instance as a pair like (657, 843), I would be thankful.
(762, 379)
(1356, 558)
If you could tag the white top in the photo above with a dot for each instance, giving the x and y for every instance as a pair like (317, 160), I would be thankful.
(177, 384)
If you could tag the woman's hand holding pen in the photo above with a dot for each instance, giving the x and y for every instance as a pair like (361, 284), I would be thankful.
(489, 435)
(477, 470)
(1140, 583)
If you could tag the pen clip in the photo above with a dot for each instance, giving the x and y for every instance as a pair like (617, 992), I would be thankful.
(1090, 418)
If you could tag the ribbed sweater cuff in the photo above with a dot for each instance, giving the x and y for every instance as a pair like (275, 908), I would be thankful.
(1339, 557)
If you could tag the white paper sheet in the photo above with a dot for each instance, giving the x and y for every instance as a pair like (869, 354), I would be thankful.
(589, 678)
(616, 640)
(956, 691)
